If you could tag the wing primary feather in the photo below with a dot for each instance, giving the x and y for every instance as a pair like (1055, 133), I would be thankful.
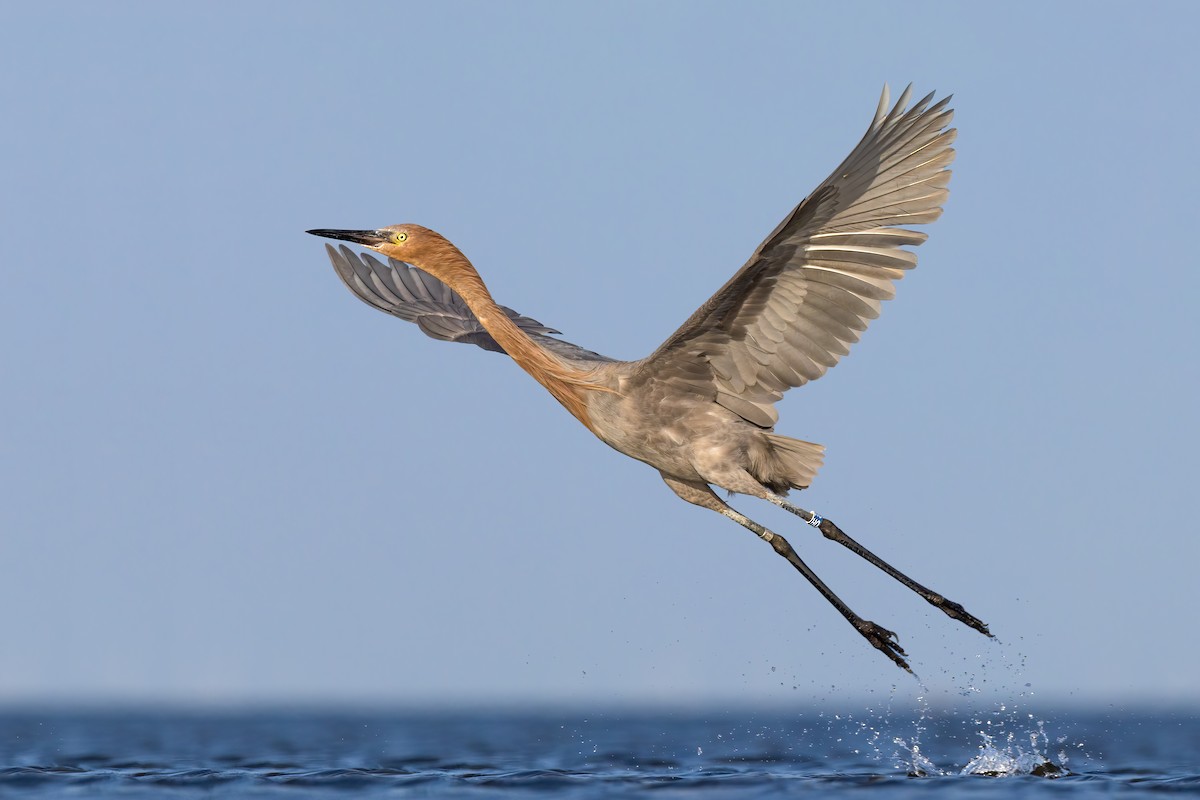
(814, 284)
(415, 296)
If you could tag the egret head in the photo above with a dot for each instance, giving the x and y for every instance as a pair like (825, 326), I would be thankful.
(413, 244)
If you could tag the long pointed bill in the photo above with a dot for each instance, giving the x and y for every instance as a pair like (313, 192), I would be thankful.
(358, 237)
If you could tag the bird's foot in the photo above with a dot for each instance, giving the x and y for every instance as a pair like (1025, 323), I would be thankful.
(955, 611)
(883, 640)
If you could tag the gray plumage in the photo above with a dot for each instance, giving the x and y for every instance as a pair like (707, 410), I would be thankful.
(406, 292)
(815, 283)
(701, 408)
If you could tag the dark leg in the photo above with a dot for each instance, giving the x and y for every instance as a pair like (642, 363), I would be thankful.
(833, 532)
(880, 638)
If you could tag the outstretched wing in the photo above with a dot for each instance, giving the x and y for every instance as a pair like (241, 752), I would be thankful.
(410, 294)
(815, 283)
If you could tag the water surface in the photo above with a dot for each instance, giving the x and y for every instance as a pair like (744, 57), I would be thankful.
(572, 754)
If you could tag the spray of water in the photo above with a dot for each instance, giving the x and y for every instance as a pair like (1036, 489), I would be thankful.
(1005, 739)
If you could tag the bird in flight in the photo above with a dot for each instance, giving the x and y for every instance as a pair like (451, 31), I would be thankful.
(701, 408)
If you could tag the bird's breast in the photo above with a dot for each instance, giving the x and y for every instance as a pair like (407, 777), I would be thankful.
(673, 434)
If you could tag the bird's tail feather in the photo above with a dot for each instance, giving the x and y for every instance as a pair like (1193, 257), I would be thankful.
(793, 463)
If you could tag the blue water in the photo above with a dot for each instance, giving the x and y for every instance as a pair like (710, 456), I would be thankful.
(572, 754)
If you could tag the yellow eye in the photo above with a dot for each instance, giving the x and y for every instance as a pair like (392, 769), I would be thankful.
(399, 237)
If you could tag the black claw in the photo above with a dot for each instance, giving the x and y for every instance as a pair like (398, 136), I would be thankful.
(885, 641)
(956, 611)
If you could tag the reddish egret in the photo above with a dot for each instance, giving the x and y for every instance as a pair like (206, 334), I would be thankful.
(701, 408)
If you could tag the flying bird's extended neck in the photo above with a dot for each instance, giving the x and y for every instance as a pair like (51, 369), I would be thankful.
(567, 384)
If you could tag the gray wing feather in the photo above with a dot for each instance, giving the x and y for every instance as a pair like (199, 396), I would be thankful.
(410, 294)
(818, 279)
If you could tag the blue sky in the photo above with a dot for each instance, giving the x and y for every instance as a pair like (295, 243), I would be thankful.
(227, 481)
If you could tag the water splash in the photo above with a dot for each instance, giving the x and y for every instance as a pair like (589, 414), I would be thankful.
(1001, 752)
(915, 763)
(949, 739)
(1013, 759)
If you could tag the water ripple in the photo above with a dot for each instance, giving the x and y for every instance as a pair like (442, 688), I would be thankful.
(525, 756)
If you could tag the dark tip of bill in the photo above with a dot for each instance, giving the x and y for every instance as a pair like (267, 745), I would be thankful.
(358, 237)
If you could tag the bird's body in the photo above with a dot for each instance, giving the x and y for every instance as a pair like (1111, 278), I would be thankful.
(689, 437)
(700, 409)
